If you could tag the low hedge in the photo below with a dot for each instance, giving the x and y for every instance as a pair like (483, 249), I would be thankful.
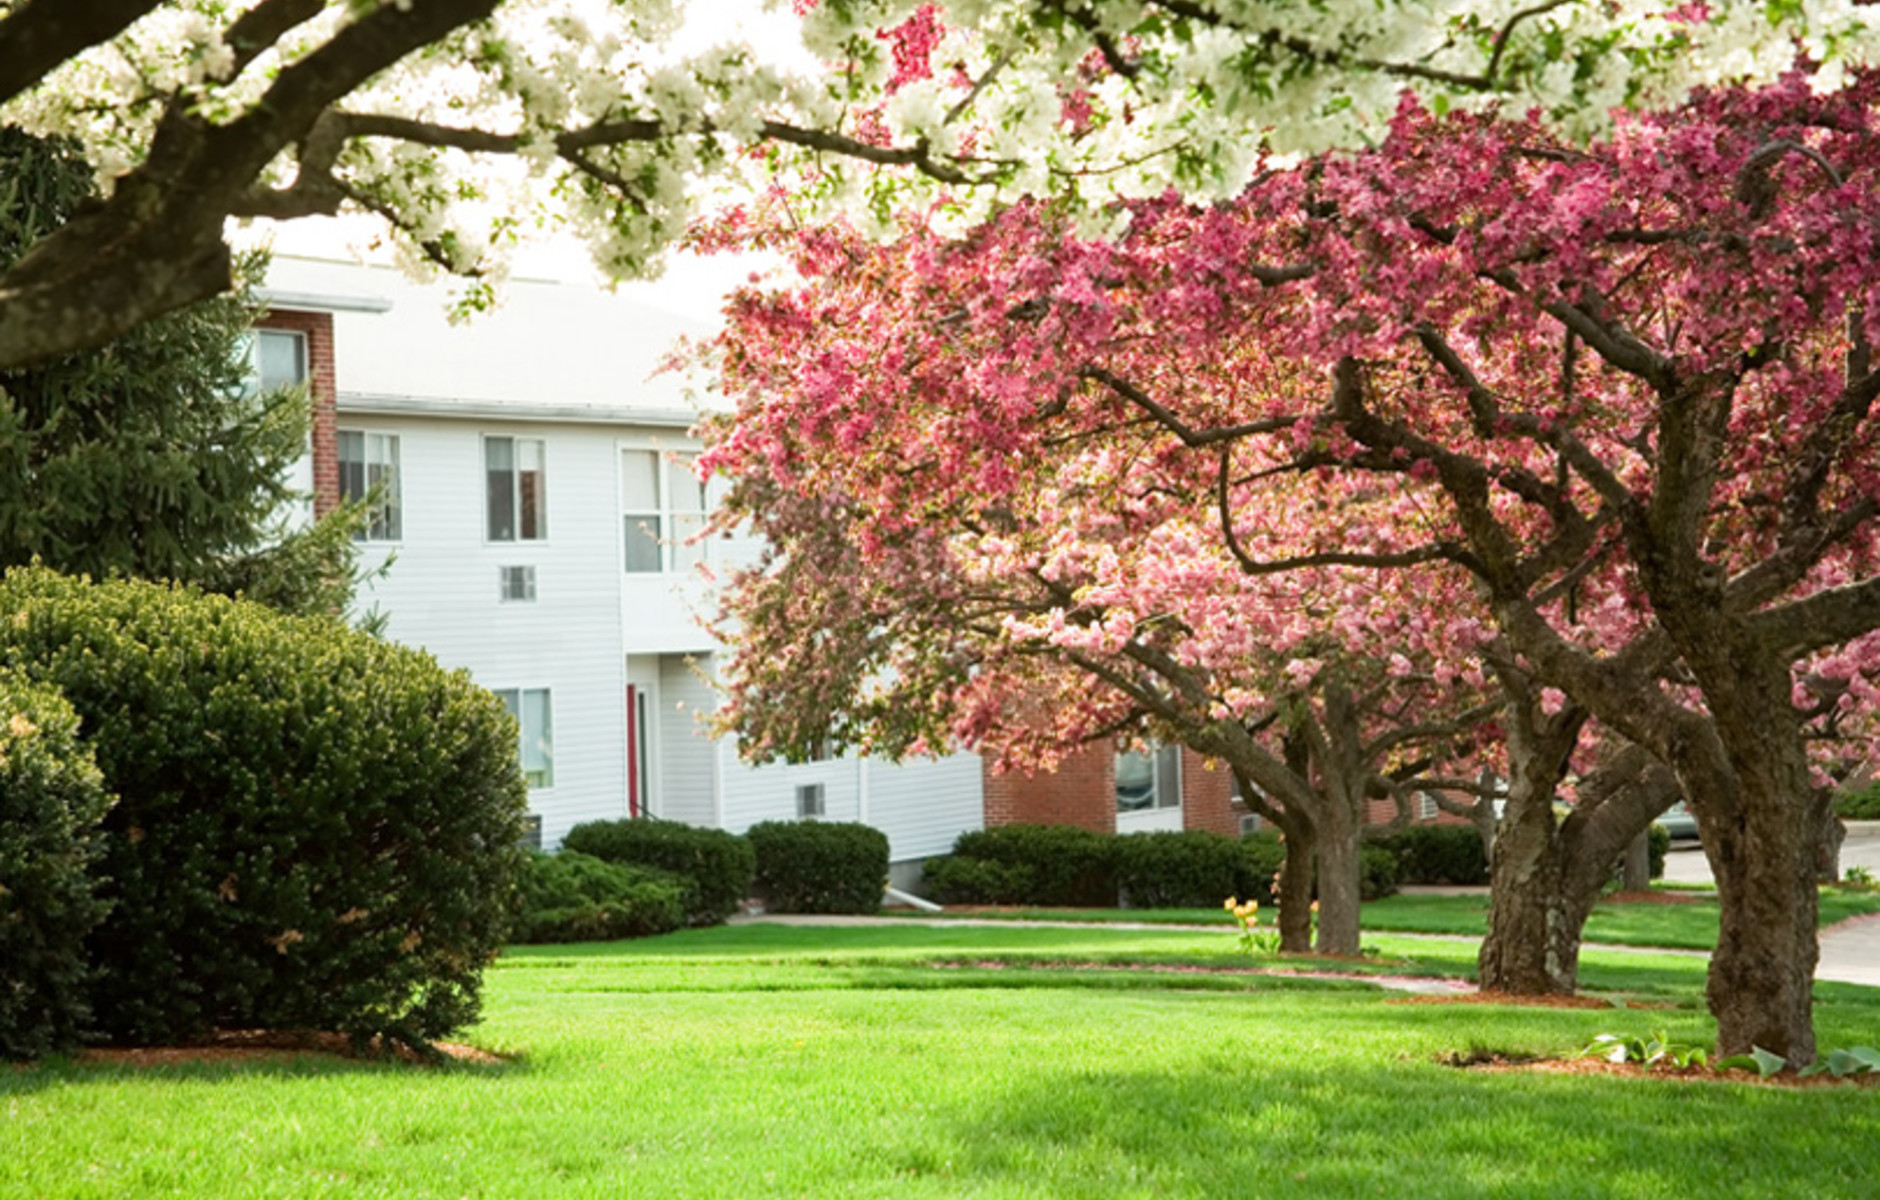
(1438, 854)
(1069, 867)
(315, 829)
(52, 799)
(1188, 869)
(952, 879)
(717, 866)
(1377, 873)
(819, 866)
(1862, 804)
(1657, 846)
(572, 897)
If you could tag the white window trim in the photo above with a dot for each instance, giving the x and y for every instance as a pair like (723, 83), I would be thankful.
(663, 453)
(483, 469)
(398, 480)
(522, 733)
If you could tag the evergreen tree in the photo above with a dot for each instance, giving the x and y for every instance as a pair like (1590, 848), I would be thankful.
(153, 455)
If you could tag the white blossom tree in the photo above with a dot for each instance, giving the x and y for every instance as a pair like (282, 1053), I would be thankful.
(197, 111)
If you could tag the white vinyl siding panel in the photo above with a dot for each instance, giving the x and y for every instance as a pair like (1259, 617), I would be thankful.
(686, 752)
(438, 595)
(924, 804)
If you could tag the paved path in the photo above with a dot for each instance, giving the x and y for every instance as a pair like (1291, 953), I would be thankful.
(1850, 951)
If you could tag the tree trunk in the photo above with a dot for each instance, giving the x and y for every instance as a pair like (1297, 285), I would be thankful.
(1339, 871)
(1763, 851)
(1294, 890)
(1833, 833)
(1535, 913)
(1636, 874)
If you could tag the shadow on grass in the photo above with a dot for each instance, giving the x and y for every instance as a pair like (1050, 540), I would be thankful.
(1405, 1130)
(207, 1065)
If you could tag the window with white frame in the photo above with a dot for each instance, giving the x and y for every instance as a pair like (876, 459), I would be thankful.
(515, 584)
(1148, 779)
(277, 358)
(535, 723)
(368, 471)
(515, 473)
(662, 511)
(809, 801)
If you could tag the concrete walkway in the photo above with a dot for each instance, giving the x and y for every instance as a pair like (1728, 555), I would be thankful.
(1850, 951)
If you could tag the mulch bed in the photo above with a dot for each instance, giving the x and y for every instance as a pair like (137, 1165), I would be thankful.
(1657, 898)
(1500, 1064)
(1519, 1001)
(234, 1047)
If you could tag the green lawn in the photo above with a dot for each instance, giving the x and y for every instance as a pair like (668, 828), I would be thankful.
(961, 1061)
(1690, 925)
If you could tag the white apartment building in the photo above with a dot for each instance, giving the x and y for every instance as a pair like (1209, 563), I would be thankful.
(535, 505)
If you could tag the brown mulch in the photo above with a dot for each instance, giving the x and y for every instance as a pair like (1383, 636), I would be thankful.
(1519, 1001)
(1656, 898)
(240, 1046)
(1499, 1064)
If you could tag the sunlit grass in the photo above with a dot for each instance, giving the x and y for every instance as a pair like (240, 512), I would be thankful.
(778, 1061)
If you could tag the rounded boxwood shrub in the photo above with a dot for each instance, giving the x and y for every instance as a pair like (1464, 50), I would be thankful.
(952, 879)
(1070, 867)
(1860, 804)
(1261, 856)
(1657, 846)
(717, 866)
(572, 897)
(818, 866)
(1377, 873)
(52, 799)
(315, 829)
(1442, 854)
(1188, 869)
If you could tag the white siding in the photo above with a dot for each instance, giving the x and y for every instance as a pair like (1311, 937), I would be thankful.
(923, 805)
(686, 782)
(440, 592)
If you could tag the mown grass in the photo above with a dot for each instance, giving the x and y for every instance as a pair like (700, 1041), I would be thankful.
(778, 1061)
(1689, 924)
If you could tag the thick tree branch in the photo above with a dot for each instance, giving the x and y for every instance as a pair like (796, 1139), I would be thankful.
(39, 35)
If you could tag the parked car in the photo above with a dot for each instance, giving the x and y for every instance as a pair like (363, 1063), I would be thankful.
(1679, 822)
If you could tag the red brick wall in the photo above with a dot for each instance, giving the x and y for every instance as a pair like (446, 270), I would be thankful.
(1208, 795)
(1082, 791)
(317, 328)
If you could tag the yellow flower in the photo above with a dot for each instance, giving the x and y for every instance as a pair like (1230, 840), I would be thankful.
(1229, 903)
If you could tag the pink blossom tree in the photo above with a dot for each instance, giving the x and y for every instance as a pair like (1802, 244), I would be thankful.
(1062, 580)
(1627, 388)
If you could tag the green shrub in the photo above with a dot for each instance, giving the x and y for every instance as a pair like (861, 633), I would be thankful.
(1377, 873)
(951, 879)
(1070, 867)
(52, 799)
(1262, 855)
(1442, 854)
(315, 829)
(1657, 846)
(819, 867)
(571, 897)
(1862, 804)
(1189, 869)
(717, 866)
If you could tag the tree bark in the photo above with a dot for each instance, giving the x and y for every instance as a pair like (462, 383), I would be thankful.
(1762, 843)
(1294, 890)
(1339, 870)
(1636, 873)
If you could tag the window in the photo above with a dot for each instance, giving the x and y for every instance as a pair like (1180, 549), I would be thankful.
(1427, 808)
(1249, 823)
(809, 801)
(368, 471)
(536, 728)
(1148, 779)
(515, 583)
(277, 358)
(662, 511)
(516, 488)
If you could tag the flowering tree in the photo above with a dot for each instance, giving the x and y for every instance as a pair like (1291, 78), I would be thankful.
(196, 111)
(953, 554)
(1626, 388)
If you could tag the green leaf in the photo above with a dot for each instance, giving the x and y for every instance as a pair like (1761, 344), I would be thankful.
(1767, 1063)
(1844, 1063)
